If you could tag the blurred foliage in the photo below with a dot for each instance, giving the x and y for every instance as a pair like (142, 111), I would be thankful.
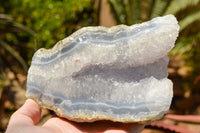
(188, 14)
(49, 21)
(8, 25)
(26, 26)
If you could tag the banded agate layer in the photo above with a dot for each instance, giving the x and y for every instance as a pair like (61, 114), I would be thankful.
(99, 73)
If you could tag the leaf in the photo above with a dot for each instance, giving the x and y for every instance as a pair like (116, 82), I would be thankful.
(189, 19)
(132, 10)
(184, 118)
(158, 8)
(182, 46)
(177, 5)
(118, 11)
(135, 12)
(5, 19)
(170, 127)
(14, 54)
(24, 28)
(126, 11)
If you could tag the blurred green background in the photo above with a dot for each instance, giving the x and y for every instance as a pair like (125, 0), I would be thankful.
(27, 25)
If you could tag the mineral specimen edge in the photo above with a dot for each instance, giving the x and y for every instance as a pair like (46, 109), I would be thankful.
(94, 73)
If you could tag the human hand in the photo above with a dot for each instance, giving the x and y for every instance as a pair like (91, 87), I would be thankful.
(25, 119)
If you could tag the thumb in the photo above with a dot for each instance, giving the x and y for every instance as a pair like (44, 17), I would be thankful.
(28, 114)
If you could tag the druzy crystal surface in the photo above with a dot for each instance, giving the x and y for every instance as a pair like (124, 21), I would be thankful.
(98, 73)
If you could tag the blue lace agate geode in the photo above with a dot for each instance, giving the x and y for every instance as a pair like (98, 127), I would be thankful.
(98, 73)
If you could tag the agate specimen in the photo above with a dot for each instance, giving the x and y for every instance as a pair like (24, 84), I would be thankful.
(99, 73)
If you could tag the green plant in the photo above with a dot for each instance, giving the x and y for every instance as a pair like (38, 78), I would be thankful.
(134, 11)
(49, 21)
(187, 12)
(26, 26)
(8, 25)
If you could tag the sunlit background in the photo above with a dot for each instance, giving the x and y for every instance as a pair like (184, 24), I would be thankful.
(27, 25)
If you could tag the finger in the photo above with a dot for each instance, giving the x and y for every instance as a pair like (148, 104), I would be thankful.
(28, 114)
(60, 125)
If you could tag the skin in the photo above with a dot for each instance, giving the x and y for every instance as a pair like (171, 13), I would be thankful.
(25, 120)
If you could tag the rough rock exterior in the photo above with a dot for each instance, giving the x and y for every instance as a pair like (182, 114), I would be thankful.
(98, 73)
